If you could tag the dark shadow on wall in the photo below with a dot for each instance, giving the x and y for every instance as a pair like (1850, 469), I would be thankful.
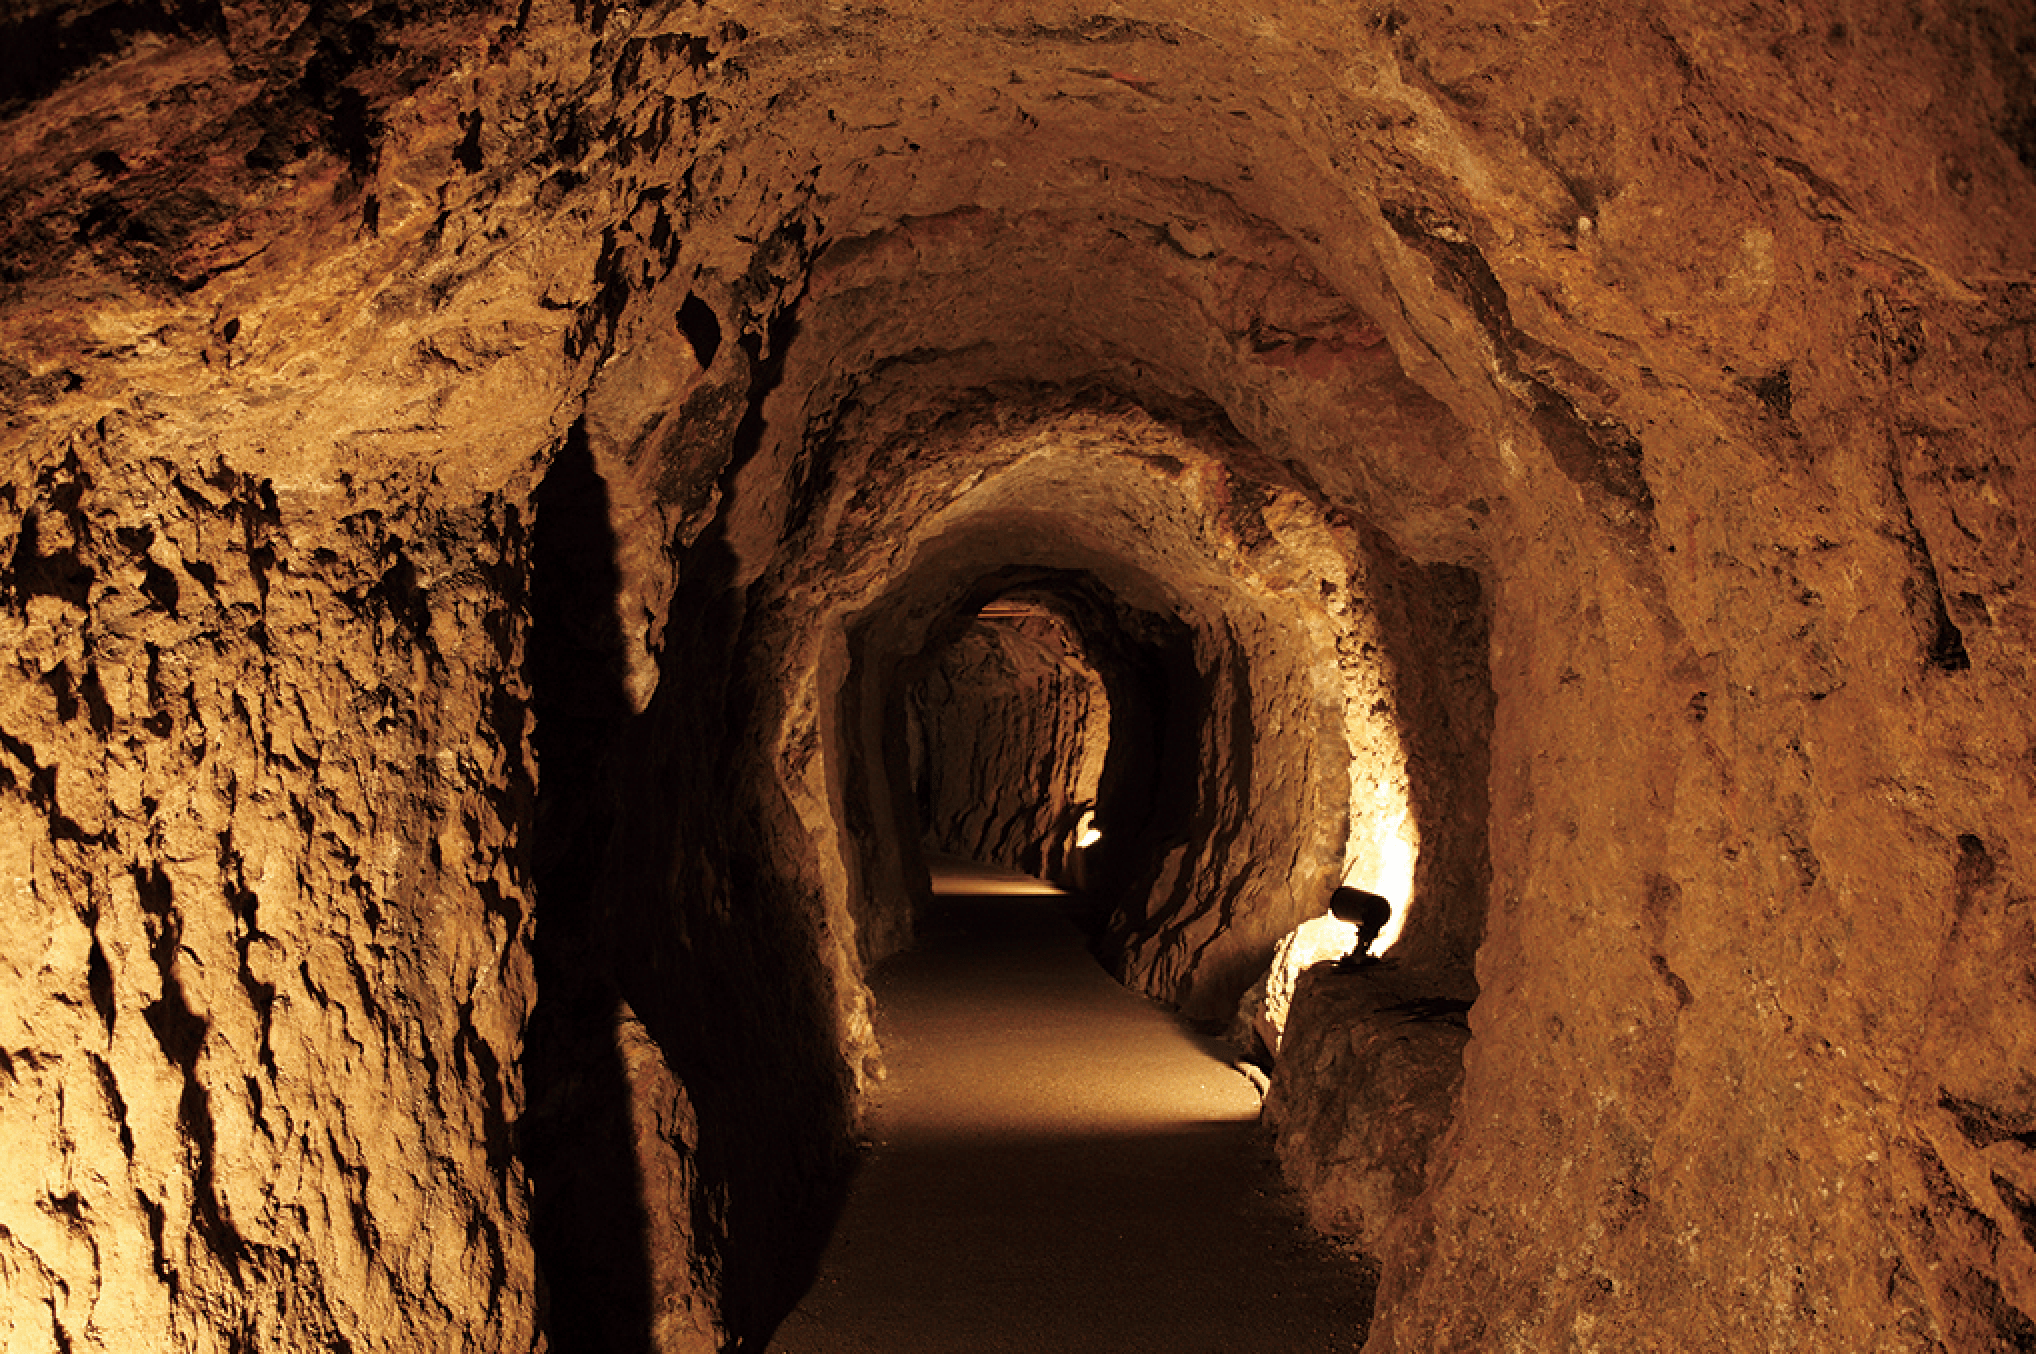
(587, 1221)
(662, 905)
(1145, 803)
(717, 947)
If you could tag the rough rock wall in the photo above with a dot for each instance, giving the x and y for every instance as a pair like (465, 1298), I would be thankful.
(1743, 796)
(1205, 929)
(1368, 1071)
(1011, 726)
(1704, 341)
(267, 905)
(1417, 711)
(1419, 686)
(295, 322)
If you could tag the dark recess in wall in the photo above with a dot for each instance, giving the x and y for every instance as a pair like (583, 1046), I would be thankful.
(702, 330)
(587, 1222)
(696, 933)
(713, 945)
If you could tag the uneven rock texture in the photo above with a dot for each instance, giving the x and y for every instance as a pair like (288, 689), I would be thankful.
(1368, 1074)
(267, 905)
(1262, 1022)
(1009, 732)
(477, 483)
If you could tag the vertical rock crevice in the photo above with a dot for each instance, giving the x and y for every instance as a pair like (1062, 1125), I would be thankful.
(580, 1139)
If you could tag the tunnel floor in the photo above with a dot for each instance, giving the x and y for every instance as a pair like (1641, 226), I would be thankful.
(1058, 1165)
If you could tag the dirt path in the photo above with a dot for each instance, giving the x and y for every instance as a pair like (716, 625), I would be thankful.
(1060, 1167)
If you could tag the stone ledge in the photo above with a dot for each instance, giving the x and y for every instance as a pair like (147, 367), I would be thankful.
(1364, 1088)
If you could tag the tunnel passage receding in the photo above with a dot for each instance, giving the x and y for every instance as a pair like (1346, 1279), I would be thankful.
(1291, 702)
(1701, 333)
(1007, 731)
(1111, 725)
(1262, 676)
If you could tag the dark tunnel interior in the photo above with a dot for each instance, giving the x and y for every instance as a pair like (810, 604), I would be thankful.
(532, 531)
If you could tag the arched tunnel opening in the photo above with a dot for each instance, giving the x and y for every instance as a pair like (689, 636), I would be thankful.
(1008, 728)
(525, 527)
(1105, 626)
(1052, 679)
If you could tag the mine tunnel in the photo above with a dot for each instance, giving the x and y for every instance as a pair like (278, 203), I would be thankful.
(524, 527)
(1103, 657)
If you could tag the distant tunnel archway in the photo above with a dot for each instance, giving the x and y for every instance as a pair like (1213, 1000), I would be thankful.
(1008, 730)
(1239, 704)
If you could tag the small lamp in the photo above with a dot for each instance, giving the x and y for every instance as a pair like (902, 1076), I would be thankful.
(1368, 912)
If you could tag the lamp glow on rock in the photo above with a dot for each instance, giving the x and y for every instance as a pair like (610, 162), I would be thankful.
(1315, 941)
(1390, 873)
(1388, 850)
(1086, 831)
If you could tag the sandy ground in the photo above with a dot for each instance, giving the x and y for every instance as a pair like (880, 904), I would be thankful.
(1059, 1166)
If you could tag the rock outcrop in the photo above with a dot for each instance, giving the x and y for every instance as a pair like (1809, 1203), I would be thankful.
(478, 481)
(1370, 1066)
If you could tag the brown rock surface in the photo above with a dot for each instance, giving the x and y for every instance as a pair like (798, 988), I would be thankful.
(1009, 730)
(475, 482)
(1369, 1070)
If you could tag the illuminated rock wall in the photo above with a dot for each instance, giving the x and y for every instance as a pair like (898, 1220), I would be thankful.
(1012, 726)
(347, 814)
(262, 806)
